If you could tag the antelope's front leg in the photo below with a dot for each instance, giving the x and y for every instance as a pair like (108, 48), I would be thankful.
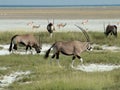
(57, 58)
(81, 60)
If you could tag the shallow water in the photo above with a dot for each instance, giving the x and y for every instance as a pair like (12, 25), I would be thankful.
(45, 47)
(96, 67)
(5, 51)
(9, 79)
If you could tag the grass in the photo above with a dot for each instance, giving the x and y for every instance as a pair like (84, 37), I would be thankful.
(95, 37)
(50, 77)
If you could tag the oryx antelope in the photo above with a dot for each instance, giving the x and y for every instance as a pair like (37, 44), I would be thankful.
(27, 40)
(110, 29)
(70, 48)
(50, 28)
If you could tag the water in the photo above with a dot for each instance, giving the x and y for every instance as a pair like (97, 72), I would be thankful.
(57, 6)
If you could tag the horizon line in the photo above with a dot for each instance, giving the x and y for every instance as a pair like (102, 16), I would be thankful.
(69, 5)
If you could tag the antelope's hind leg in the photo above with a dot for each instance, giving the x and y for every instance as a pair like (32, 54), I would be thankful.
(14, 50)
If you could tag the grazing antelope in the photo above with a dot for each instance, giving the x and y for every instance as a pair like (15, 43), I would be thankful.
(50, 28)
(27, 40)
(61, 25)
(70, 48)
(110, 29)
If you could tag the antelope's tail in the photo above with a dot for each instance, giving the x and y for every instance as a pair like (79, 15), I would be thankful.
(48, 51)
(10, 48)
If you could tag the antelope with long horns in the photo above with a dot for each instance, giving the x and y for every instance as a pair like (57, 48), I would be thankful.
(110, 29)
(70, 48)
(50, 27)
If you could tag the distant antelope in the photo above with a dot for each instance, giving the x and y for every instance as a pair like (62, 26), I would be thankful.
(118, 23)
(61, 25)
(33, 25)
(50, 28)
(74, 48)
(110, 29)
(84, 22)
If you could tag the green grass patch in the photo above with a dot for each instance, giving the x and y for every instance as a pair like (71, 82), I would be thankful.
(95, 37)
(50, 77)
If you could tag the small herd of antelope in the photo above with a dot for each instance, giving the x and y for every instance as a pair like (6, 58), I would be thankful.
(70, 48)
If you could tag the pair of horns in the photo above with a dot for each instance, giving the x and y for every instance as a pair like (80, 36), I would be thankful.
(49, 22)
(84, 32)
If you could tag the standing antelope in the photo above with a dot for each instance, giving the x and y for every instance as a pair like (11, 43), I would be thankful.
(110, 29)
(73, 48)
(33, 25)
(84, 22)
(50, 28)
(61, 25)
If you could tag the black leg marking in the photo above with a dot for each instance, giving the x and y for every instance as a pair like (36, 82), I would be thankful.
(53, 56)
(78, 57)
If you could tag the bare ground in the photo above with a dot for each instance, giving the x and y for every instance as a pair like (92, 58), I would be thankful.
(61, 13)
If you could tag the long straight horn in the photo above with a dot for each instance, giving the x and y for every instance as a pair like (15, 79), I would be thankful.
(104, 26)
(84, 32)
(39, 40)
(53, 21)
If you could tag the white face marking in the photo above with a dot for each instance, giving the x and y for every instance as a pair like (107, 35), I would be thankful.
(52, 27)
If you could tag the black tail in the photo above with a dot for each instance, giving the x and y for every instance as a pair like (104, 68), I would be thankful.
(48, 51)
(10, 48)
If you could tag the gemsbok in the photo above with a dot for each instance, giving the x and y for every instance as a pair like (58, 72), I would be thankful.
(70, 48)
(110, 29)
(27, 40)
(50, 27)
